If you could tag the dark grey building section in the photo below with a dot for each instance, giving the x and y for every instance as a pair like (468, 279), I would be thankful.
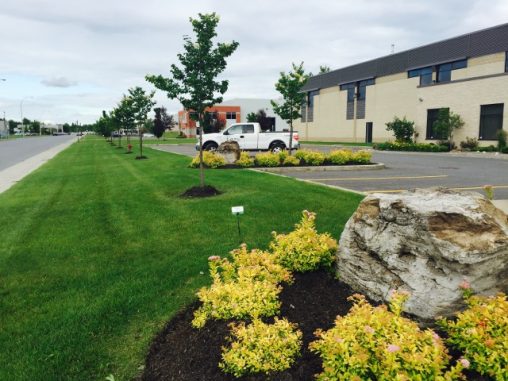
(480, 43)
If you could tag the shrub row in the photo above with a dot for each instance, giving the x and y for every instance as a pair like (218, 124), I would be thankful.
(418, 147)
(301, 157)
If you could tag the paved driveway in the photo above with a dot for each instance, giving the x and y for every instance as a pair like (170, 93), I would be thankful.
(406, 170)
(14, 151)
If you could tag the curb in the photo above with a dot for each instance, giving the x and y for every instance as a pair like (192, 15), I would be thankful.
(325, 168)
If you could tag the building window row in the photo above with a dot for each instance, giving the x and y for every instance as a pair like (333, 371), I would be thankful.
(356, 90)
(491, 121)
(506, 62)
(231, 115)
(443, 72)
(307, 109)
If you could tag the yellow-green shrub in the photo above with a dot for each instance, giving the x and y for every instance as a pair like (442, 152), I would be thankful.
(340, 157)
(304, 249)
(310, 157)
(283, 155)
(245, 160)
(210, 160)
(267, 159)
(261, 348)
(361, 157)
(481, 333)
(372, 343)
(245, 287)
(291, 161)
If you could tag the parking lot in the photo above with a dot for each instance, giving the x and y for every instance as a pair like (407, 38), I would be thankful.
(407, 170)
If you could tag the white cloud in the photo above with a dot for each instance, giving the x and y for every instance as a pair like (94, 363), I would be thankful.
(58, 82)
(105, 47)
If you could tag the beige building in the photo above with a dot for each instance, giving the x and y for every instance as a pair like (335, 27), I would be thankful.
(466, 74)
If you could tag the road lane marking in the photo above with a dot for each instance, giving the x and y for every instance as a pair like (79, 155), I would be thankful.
(457, 188)
(379, 178)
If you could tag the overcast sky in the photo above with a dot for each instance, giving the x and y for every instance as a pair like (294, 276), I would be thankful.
(66, 60)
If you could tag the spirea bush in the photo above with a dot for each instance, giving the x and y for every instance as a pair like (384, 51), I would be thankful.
(340, 157)
(291, 161)
(210, 160)
(374, 343)
(268, 159)
(304, 249)
(261, 348)
(481, 334)
(245, 160)
(310, 157)
(245, 287)
(361, 157)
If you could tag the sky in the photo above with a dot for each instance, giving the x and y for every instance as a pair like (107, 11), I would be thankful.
(67, 60)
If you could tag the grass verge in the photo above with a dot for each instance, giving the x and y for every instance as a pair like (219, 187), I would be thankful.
(98, 251)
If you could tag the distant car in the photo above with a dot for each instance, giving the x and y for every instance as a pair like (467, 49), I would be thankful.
(148, 135)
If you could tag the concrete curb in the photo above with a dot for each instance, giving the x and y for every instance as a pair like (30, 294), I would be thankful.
(324, 168)
(13, 174)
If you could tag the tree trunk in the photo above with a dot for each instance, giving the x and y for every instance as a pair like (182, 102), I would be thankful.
(119, 139)
(201, 165)
(291, 130)
(140, 142)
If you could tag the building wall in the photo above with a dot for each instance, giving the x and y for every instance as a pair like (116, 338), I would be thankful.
(248, 105)
(482, 82)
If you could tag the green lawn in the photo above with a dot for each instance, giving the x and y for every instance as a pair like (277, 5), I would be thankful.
(97, 252)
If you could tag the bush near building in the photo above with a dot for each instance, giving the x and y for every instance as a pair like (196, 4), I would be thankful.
(418, 147)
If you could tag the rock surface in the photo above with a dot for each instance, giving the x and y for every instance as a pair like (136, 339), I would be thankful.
(427, 242)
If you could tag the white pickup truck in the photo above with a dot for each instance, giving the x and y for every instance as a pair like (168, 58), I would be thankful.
(250, 137)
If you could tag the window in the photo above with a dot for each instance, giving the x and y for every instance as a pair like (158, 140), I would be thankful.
(432, 117)
(231, 115)
(248, 129)
(460, 64)
(506, 62)
(426, 76)
(491, 121)
(235, 130)
(310, 103)
(444, 73)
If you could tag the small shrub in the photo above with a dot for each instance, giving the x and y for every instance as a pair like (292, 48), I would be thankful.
(304, 249)
(501, 139)
(267, 159)
(245, 160)
(403, 129)
(373, 343)
(291, 161)
(489, 191)
(340, 157)
(261, 348)
(504, 150)
(361, 157)
(283, 155)
(490, 148)
(210, 160)
(418, 147)
(480, 332)
(311, 157)
(469, 144)
(245, 287)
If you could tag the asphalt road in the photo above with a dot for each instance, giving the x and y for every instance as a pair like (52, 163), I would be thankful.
(14, 151)
(406, 170)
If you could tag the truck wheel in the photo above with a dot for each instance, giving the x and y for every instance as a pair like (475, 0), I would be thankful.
(277, 147)
(210, 146)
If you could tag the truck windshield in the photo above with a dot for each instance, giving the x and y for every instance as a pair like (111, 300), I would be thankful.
(234, 130)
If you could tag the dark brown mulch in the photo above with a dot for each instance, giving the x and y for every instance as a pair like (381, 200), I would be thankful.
(206, 191)
(182, 353)
(141, 157)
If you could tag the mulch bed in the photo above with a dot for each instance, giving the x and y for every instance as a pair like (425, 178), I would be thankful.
(183, 353)
(236, 166)
(206, 191)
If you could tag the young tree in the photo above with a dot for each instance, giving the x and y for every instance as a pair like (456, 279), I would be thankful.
(261, 118)
(290, 85)
(141, 104)
(168, 120)
(403, 129)
(124, 118)
(447, 122)
(195, 85)
(252, 117)
(324, 69)
(158, 125)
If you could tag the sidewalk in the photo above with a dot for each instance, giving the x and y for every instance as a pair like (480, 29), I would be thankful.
(13, 174)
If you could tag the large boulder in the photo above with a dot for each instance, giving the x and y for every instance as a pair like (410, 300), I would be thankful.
(427, 242)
